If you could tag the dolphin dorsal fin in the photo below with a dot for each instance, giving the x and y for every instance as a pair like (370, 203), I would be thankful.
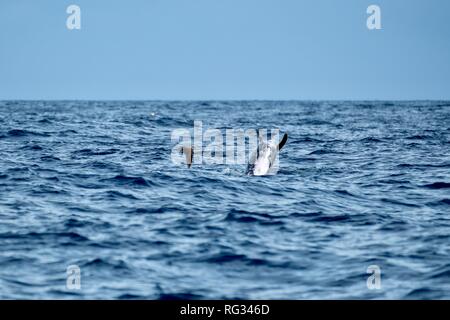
(283, 141)
(189, 153)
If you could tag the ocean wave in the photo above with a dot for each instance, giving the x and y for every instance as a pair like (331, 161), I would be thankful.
(25, 133)
(437, 185)
(92, 184)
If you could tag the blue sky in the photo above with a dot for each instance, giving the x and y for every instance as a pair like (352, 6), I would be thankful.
(224, 49)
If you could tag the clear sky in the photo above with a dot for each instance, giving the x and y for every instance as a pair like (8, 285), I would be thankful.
(224, 49)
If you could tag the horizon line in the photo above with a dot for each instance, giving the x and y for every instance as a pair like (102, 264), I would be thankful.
(224, 100)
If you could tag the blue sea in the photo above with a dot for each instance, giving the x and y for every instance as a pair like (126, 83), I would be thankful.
(92, 184)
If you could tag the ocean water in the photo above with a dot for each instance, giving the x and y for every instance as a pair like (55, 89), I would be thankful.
(92, 184)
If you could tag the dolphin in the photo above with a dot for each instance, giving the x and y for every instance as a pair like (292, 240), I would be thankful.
(189, 153)
(262, 160)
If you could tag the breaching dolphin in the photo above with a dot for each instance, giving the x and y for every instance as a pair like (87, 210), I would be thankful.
(261, 161)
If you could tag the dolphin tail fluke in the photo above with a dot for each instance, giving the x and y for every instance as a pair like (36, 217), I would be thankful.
(283, 141)
(189, 153)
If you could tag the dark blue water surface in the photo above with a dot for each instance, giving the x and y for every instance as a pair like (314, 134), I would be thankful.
(93, 184)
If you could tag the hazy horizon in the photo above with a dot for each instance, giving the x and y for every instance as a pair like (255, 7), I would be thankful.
(231, 100)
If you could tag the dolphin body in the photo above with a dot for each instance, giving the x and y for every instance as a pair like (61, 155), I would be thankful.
(263, 159)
